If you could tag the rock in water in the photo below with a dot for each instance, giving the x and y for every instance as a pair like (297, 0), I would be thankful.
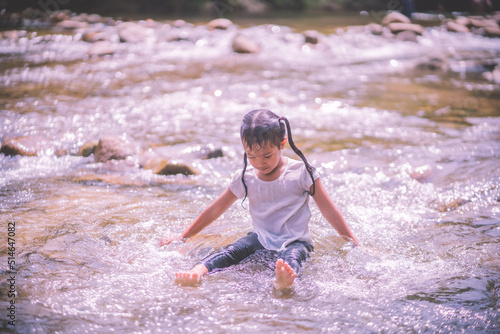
(242, 44)
(172, 168)
(112, 148)
(131, 32)
(220, 23)
(396, 28)
(102, 48)
(395, 17)
(28, 146)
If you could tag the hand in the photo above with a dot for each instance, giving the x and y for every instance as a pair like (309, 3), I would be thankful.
(171, 238)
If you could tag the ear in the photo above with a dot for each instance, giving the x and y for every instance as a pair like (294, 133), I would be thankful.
(283, 143)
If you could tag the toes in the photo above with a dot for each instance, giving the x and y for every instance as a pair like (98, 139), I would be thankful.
(288, 268)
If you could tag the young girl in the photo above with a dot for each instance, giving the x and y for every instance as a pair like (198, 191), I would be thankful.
(278, 190)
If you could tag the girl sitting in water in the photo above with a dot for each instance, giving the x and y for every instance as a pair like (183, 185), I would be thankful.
(278, 190)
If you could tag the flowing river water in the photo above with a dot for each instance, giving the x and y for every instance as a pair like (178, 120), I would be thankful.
(410, 157)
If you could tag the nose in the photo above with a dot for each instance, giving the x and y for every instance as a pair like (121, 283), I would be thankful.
(259, 164)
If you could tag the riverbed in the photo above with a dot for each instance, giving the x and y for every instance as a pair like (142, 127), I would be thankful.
(409, 154)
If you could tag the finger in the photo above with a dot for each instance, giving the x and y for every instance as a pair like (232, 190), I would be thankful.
(164, 242)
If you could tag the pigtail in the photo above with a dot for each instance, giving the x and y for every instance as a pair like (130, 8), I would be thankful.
(310, 169)
(243, 178)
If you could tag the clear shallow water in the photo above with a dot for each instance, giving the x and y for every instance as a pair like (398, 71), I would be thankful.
(410, 157)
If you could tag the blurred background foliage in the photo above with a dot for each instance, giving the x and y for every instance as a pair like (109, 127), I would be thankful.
(255, 7)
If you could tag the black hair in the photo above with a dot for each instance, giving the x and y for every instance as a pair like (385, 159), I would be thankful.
(262, 126)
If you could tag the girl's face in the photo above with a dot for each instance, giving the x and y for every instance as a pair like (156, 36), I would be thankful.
(266, 159)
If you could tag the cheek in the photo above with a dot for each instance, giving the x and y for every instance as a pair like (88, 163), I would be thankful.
(254, 162)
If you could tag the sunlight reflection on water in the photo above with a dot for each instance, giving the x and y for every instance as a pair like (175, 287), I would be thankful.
(419, 187)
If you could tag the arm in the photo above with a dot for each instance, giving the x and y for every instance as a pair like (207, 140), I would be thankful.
(331, 213)
(207, 216)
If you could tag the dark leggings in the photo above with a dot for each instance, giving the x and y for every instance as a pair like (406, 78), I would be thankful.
(294, 254)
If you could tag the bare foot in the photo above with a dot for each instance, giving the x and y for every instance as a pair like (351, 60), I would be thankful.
(192, 277)
(284, 275)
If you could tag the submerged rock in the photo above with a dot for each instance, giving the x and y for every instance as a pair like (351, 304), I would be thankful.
(451, 206)
(433, 63)
(203, 152)
(421, 174)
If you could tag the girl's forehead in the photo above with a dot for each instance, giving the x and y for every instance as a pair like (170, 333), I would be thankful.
(260, 149)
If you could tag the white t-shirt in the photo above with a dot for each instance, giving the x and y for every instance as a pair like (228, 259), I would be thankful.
(279, 209)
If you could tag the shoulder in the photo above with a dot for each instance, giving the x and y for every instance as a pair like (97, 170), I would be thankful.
(236, 180)
(300, 166)
(239, 172)
(298, 172)
(295, 164)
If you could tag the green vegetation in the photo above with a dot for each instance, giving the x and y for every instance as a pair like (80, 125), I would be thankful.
(191, 6)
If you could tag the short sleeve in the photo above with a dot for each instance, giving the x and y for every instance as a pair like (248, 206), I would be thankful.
(236, 186)
(305, 178)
